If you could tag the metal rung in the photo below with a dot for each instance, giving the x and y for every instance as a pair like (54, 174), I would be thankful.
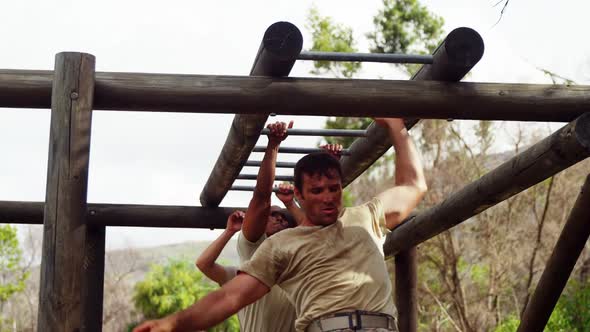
(248, 188)
(366, 57)
(279, 164)
(345, 152)
(323, 132)
(253, 177)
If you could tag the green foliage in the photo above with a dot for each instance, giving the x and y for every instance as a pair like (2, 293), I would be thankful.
(571, 314)
(406, 26)
(402, 26)
(12, 276)
(508, 325)
(558, 322)
(176, 286)
(331, 37)
(347, 198)
(576, 304)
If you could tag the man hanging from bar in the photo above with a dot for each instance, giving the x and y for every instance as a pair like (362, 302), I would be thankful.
(331, 266)
(274, 311)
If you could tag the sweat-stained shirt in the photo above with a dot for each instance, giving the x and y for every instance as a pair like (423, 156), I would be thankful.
(328, 269)
(273, 312)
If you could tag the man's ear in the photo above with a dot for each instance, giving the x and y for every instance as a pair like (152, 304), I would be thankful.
(298, 195)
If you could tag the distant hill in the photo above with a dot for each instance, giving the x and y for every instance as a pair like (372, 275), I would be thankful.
(119, 261)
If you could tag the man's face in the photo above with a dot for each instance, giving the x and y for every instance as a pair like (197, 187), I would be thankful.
(321, 197)
(276, 221)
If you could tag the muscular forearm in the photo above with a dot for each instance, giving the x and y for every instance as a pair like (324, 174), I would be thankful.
(408, 166)
(207, 259)
(259, 207)
(207, 312)
(266, 173)
(218, 305)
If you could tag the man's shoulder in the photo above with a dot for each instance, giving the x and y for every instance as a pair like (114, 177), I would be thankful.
(372, 204)
(285, 233)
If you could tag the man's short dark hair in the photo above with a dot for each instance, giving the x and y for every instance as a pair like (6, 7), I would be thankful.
(290, 219)
(317, 163)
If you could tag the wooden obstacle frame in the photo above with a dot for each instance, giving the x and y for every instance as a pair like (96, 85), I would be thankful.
(72, 268)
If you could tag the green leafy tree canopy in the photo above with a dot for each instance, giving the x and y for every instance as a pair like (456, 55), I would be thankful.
(174, 287)
(331, 37)
(401, 26)
(12, 276)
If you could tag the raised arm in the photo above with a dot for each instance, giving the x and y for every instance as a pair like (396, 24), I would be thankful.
(259, 207)
(207, 260)
(211, 309)
(410, 184)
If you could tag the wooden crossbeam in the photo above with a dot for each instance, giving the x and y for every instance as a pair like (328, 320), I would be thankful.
(314, 96)
(562, 149)
(128, 215)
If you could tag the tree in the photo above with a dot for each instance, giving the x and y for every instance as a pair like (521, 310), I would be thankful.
(328, 36)
(405, 26)
(402, 26)
(12, 276)
(176, 286)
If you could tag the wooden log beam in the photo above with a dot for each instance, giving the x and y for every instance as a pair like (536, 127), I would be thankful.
(454, 58)
(569, 246)
(64, 230)
(553, 154)
(331, 97)
(12, 212)
(406, 290)
(276, 56)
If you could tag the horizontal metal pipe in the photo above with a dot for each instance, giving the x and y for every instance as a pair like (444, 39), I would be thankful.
(365, 57)
(323, 132)
(279, 164)
(562, 149)
(249, 188)
(254, 176)
(569, 246)
(309, 96)
(297, 150)
(126, 215)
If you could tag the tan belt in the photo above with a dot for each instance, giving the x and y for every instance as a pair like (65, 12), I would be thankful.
(354, 320)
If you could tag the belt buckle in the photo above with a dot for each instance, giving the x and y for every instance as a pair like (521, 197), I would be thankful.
(353, 318)
(359, 321)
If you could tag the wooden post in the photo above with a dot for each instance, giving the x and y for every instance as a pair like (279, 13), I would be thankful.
(569, 246)
(276, 56)
(406, 292)
(64, 231)
(93, 278)
(555, 153)
(453, 59)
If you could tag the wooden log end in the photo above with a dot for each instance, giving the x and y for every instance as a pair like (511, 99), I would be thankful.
(464, 47)
(283, 39)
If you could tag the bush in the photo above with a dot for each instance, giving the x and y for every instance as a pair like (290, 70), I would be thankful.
(176, 286)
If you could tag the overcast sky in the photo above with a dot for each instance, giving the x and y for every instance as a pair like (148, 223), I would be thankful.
(165, 158)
